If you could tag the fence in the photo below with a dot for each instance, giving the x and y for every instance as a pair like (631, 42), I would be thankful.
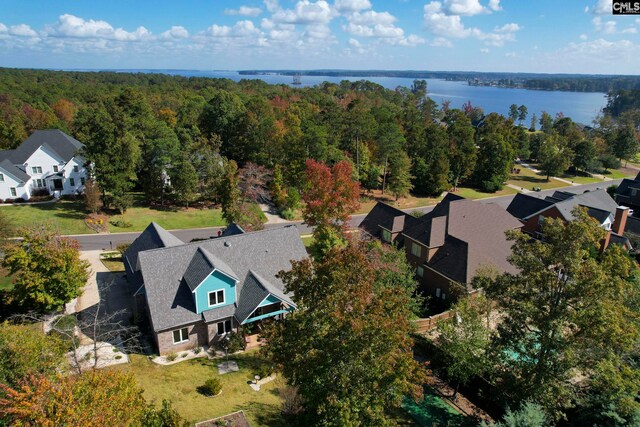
(426, 324)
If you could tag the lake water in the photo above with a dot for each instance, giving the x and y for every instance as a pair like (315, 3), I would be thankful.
(582, 107)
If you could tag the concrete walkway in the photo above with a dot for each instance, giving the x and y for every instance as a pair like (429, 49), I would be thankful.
(90, 295)
(520, 189)
(271, 214)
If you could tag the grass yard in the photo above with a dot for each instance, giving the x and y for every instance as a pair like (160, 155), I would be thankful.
(307, 240)
(620, 173)
(179, 382)
(65, 216)
(368, 201)
(140, 217)
(68, 217)
(528, 179)
(581, 179)
(472, 193)
(113, 261)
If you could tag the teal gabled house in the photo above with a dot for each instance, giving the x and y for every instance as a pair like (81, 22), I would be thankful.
(196, 293)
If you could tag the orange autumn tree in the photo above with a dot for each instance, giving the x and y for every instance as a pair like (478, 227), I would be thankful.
(95, 398)
(331, 196)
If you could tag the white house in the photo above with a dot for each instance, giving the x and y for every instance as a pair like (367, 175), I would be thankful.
(46, 162)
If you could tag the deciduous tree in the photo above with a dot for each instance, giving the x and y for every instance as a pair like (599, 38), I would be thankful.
(25, 349)
(92, 195)
(465, 339)
(347, 347)
(94, 398)
(46, 268)
(331, 195)
(567, 311)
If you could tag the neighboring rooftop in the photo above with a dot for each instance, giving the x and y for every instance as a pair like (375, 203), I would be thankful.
(598, 203)
(55, 140)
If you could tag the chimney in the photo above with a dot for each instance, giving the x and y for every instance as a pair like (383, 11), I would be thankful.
(620, 220)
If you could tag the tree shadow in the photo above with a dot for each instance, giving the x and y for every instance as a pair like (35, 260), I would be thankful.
(63, 209)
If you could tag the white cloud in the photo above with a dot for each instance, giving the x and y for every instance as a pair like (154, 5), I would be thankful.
(22, 30)
(244, 11)
(510, 55)
(441, 42)
(494, 5)
(438, 22)
(305, 12)
(464, 7)
(74, 26)
(348, 6)
(271, 5)
(372, 17)
(609, 27)
(175, 32)
(602, 7)
(442, 24)
(583, 37)
(239, 29)
(508, 28)
(354, 43)
(599, 52)
(484, 50)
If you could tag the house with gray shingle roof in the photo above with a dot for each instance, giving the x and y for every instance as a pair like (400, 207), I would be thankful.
(195, 293)
(46, 162)
(452, 242)
(532, 211)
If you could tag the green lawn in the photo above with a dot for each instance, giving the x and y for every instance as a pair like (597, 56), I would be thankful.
(68, 217)
(179, 382)
(65, 216)
(580, 179)
(307, 240)
(472, 193)
(113, 261)
(528, 179)
(615, 174)
(140, 217)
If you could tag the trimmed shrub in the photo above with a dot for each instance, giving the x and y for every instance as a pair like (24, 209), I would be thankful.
(120, 223)
(118, 357)
(171, 357)
(211, 387)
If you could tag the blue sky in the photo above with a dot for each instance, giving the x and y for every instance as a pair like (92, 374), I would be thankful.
(565, 36)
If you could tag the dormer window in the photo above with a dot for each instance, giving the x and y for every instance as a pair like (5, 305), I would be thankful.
(416, 249)
(216, 298)
(386, 236)
(75, 168)
(55, 168)
(36, 169)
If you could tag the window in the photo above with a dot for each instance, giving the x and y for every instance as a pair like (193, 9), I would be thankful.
(444, 296)
(181, 335)
(55, 168)
(216, 297)
(72, 182)
(420, 271)
(438, 292)
(75, 168)
(224, 327)
(36, 169)
(386, 235)
(1, 177)
(81, 181)
(39, 183)
(416, 250)
(13, 192)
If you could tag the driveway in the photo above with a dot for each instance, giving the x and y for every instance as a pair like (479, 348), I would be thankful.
(108, 289)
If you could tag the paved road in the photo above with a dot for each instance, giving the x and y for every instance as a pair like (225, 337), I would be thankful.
(89, 242)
